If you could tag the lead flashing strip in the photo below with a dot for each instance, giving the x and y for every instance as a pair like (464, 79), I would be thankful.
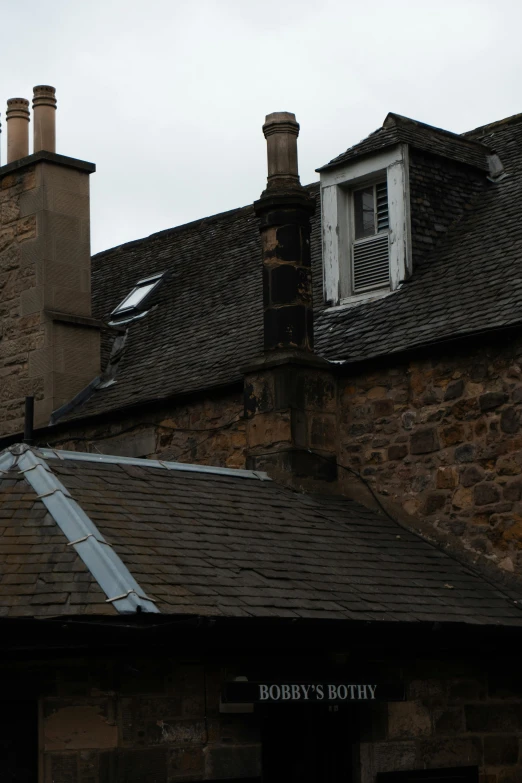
(111, 574)
(80, 456)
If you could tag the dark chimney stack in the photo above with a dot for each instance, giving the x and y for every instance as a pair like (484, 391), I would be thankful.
(290, 393)
(284, 210)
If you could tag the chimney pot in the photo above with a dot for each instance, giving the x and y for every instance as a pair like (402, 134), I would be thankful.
(281, 131)
(17, 116)
(44, 116)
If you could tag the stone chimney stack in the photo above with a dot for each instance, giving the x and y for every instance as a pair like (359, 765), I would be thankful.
(50, 343)
(284, 212)
(17, 117)
(290, 393)
(44, 118)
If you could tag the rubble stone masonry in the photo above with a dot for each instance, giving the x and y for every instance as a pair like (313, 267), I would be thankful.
(438, 439)
(441, 438)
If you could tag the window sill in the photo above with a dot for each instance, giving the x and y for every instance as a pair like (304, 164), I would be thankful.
(359, 299)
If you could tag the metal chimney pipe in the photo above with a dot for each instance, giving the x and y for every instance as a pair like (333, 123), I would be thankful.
(17, 117)
(44, 118)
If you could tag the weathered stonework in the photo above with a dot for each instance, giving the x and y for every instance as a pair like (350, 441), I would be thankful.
(44, 270)
(206, 431)
(136, 717)
(442, 439)
(20, 332)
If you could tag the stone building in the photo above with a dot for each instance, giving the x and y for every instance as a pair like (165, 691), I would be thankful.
(275, 460)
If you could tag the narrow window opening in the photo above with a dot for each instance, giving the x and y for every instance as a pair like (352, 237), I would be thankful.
(370, 251)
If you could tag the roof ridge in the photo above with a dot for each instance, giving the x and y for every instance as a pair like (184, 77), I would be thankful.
(173, 230)
(84, 456)
(511, 120)
(99, 557)
(418, 123)
(186, 226)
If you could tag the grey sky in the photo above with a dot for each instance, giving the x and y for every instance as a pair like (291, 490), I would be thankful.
(168, 97)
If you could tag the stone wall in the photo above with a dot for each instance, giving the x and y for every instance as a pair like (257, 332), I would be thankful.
(133, 719)
(206, 430)
(441, 438)
(440, 191)
(19, 333)
(465, 716)
(44, 276)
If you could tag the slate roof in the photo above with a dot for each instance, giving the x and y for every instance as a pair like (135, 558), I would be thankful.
(397, 129)
(212, 541)
(206, 320)
(470, 281)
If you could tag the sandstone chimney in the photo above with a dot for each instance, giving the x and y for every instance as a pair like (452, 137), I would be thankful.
(51, 344)
(44, 118)
(17, 117)
(281, 131)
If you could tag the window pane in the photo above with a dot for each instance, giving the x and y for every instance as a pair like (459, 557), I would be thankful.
(364, 208)
(135, 297)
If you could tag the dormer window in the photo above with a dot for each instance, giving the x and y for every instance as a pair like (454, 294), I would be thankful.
(135, 301)
(366, 227)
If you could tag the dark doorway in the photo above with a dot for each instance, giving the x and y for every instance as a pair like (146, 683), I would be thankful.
(18, 742)
(306, 744)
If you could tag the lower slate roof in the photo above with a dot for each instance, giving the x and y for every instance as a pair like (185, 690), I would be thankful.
(196, 540)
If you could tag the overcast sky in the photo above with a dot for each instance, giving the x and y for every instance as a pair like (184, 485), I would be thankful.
(167, 97)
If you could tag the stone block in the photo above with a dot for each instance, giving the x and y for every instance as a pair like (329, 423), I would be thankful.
(80, 726)
(452, 434)
(500, 750)
(137, 766)
(450, 752)
(185, 763)
(465, 452)
(466, 409)
(434, 502)
(233, 762)
(447, 478)
(397, 451)
(492, 400)
(513, 490)
(408, 719)
(449, 721)
(471, 475)
(454, 389)
(378, 757)
(494, 718)
(486, 493)
(462, 499)
(382, 408)
(510, 421)
(424, 441)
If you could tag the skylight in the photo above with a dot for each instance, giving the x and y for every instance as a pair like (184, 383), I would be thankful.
(135, 300)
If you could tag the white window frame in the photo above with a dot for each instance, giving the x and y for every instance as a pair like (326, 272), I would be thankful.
(337, 186)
